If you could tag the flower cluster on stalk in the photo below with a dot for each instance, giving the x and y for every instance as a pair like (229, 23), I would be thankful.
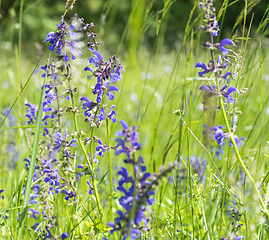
(55, 162)
(137, 187)
(219, 66)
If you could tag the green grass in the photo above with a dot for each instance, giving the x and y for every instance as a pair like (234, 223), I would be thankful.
(156, 82)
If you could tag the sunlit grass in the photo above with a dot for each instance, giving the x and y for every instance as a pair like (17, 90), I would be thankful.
(156, 82)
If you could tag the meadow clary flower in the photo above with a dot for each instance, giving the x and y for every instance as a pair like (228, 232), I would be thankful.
(136, 197)
(1, 191)
(224, 42)
(97, 59)
(64, 235)
(215, 28)
(111, 115)
(219, 134)
(91, 188)
(204, 67)
(129, 135)
(34, 213)
(87, 105)
(224, 91)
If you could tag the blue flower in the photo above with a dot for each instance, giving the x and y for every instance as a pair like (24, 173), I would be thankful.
(111, 115)
(52, 176)
(109, 94)
(91, 188)
(49, 37)
(226, 77)
(101, 148)
(27, 164)
(64, 235)
(1, 191)
(219, 135)
(97, 59)
(89, 69)
(69, 195)
(115, 75)
(102, 115)
(34, 213)
(74, 50)
(215, 28)
(204, 67)
(224, 91)
(111, 224)
(48, 235)
(228, 93)
(224, 42)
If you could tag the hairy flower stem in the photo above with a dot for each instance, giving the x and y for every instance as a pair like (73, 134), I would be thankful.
(110, 172)
(86, 156)
(231, 135)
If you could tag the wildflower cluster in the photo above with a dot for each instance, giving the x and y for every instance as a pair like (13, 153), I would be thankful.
(54, 173)
(137, 188)
(236, 215)
(219, 66)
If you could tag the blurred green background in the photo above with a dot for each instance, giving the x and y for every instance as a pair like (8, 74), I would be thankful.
(148, 38)
(111, 18)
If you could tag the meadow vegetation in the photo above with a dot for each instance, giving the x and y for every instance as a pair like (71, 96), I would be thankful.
(109, 136)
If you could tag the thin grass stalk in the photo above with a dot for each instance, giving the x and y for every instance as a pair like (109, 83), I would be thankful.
(95, 189)
(32, 162)
(110, 173)
(27, 81)
(176, 186)
(231, 136)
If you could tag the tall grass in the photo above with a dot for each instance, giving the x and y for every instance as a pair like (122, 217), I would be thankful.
(156, 83)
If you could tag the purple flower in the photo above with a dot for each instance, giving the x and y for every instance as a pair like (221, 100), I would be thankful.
(109, 94)
(239, 237)
(64, 235)
(115, 75)
(97, 59)
(48, 235)
(111, 224)
(1, 191)
(91, 188)
(111, 115)
(208, 89)
(101, 148)
(75, 49)
(219, 135)
(215, 28)
(49, 37)
(52, 176)
(65, 58)
(224, 42)
(204, 67)
(89, 69)
(69, 195)
(34, 213)
(226, 77)
(102, 115)
(228, 93)
(27, 164)
(224, 91)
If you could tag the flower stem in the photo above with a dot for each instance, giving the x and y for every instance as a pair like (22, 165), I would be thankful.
(85, 154)
(231, 135)
(110, 172)
(91, 169)
(239, 156)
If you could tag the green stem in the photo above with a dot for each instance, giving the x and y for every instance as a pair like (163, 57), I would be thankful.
(231, 135)
(91, 168)
(99, 206)
(239, 156)
(110, 172)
